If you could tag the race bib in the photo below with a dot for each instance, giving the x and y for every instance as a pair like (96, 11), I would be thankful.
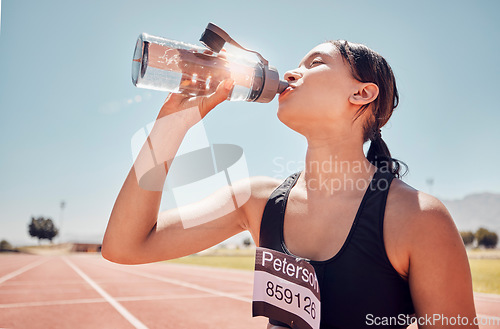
(286, 289)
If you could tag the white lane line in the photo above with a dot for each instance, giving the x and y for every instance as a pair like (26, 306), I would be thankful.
(487, 299)
(122, 310)
(484, 294)
(102, 300)
(55, 302)
(193, 270)
(46, 283)
(22, 270)
(216, 276)
(188, 285)
(45, 290)
(163, 297)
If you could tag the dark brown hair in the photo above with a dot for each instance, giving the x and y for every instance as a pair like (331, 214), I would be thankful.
(369, 66)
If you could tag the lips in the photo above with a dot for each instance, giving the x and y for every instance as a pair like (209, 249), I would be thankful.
(287, 90)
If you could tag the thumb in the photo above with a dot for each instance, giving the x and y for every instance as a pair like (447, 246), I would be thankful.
(221, 94)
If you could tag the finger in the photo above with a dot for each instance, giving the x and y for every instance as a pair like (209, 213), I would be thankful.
(173, 103)
(222, 53)
(221, 94)
(174, 98)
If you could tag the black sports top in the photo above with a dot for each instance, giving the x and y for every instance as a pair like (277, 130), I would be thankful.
(358, 284)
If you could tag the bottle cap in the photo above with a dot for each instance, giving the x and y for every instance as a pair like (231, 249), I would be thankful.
(214, 37)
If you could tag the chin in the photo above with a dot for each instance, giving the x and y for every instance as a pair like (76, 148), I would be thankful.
(290, 118)
(284, 113)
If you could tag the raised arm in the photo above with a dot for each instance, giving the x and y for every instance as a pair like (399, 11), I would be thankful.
(135, 232)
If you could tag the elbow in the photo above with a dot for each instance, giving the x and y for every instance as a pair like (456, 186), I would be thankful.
(106, 253)
(110, 253)
(121, 254)
(113, 249)
(114, 253)
(126, 249)
(107, 249)
(117, 257)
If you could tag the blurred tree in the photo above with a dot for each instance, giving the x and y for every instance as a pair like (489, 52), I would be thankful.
(34, 228)
(467, 237)
(5, 246)
(486, 238)
(42, 228)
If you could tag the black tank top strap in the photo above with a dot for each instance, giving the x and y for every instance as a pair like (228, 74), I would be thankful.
(369, 230)
(270, 226)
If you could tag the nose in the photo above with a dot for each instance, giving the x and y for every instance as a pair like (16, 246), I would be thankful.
(292, 76)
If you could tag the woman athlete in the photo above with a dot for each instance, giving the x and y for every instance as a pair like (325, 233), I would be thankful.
(379, 252)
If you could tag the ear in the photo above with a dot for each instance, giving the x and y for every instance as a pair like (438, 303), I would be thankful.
(367, 92)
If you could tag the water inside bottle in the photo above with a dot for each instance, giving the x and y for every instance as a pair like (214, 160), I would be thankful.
(193, 72)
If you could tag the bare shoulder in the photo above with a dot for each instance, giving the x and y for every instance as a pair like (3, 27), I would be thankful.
(256, 187)
(420, 216)
(416, 225)
(419, 208)
(261, 188)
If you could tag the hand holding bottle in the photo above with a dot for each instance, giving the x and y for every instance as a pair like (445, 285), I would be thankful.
(179, 102)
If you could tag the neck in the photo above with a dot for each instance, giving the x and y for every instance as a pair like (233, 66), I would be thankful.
(336, 166)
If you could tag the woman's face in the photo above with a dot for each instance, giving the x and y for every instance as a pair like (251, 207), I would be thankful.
(319, 91)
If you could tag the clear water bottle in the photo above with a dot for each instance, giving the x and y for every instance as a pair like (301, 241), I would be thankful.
(178, 67)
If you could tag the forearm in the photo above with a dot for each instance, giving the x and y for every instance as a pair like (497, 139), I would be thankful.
(136, 208)
(135, 212)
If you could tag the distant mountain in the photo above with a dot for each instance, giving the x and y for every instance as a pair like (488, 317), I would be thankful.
(476, 210)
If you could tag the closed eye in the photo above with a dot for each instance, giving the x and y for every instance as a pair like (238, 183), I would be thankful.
(315, 62)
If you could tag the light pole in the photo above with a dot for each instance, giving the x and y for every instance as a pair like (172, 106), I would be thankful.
(62, 205)
(430, 182)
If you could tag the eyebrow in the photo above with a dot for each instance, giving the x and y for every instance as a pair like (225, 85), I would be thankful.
(316, 53)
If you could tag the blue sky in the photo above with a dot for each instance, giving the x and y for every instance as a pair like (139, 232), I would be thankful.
(69, 109)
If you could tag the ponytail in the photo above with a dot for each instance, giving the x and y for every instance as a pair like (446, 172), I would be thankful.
(380, 156)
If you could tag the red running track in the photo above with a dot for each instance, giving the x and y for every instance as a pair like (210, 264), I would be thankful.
(86, 291)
